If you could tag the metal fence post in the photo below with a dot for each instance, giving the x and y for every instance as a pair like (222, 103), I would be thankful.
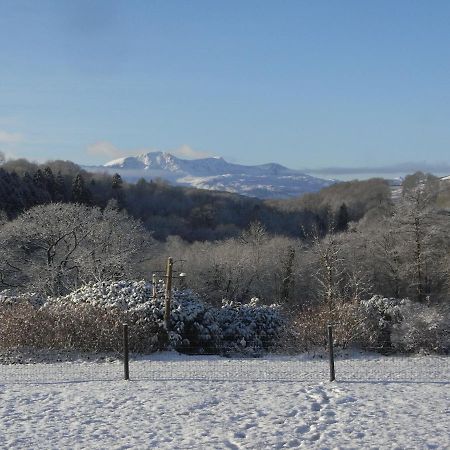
(331, 352)
(126, 359)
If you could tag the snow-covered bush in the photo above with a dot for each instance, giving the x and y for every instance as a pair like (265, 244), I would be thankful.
(422, 328)
(307, 328)
(72, 327)
(193, 327)
(379, 316)
(382, 324)
(11, 297)
(249, 328)
(88, 318)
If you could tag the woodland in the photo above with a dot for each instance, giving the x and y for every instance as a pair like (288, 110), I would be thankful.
(319, 257)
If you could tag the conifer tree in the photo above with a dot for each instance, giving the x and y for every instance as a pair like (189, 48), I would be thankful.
(50, 182)
(342, 218)
(60, 188)
(117, 181)
(80, 193)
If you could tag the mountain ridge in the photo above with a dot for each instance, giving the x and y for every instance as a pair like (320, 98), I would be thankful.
(270, 180)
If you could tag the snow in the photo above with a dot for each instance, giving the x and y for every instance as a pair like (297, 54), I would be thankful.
(207, 402)
(264, 181)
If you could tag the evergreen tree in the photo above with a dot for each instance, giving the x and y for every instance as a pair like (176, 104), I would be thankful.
(342, 218)
(40, 191)
(50, 182)
(116, 182)
(80, 193)
(29, 190)
(117, 188)
(39, 179)
(60, 188)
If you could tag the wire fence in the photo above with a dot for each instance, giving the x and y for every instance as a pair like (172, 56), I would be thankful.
(68, 367)
(33, 365)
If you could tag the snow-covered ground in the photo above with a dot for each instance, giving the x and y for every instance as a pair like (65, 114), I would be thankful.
(182, 402)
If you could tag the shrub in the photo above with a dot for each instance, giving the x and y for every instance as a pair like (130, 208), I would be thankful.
(422, 328)
(382, 324)
(90, 319)
(193, 325)
(307, 329)
(249, 328)
(380, 315)
(83, 328)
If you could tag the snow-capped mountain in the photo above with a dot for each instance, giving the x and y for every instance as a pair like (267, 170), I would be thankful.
(263, 181)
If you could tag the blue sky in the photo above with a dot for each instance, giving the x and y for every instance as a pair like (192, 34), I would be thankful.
(308, 84)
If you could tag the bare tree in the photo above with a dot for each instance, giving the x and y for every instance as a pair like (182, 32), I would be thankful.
(416, 219)
(386, 255)
(54, 248)
(329, 272)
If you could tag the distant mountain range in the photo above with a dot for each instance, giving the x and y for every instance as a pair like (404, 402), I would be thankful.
(262, 181)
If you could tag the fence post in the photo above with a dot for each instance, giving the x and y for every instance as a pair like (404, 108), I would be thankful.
(126, 359)
(168, 294)
(331, 352)
(154, 291)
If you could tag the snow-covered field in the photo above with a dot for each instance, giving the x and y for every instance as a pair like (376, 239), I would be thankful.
(182, 402)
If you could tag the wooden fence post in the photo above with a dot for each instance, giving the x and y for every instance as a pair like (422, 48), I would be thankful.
(168, 294)
(126, 358)
(331, 352)
(154, 287)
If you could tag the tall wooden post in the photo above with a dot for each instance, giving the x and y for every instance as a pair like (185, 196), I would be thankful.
(126, 357)
(154, 287)
(168, 293)
(331, 352)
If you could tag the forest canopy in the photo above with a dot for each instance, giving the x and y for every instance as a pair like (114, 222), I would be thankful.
(193, 214)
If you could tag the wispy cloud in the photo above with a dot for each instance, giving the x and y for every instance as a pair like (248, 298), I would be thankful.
(7, 155)
(9, 138)
(185, 151)
(106, 149)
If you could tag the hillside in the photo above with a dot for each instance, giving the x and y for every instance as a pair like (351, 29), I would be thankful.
(191, 213)
(263, 181)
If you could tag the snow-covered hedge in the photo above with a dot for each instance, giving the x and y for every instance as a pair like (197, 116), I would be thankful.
(383, 324)
(249, 328)
(422, 328)
(403, 325)
(195, 326)
(69, 327)
(386, 325)
(378, 317)
(10, 297)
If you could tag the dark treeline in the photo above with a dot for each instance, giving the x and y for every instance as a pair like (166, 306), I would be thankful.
(192, 214)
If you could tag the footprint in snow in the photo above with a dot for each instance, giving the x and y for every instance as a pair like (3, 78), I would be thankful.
(292, 413)
(230, 445)
(240, 435)
(347, 399)
(315, 406)
(302, 429)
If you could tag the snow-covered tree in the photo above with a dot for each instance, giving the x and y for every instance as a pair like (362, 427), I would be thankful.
(55, 248)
